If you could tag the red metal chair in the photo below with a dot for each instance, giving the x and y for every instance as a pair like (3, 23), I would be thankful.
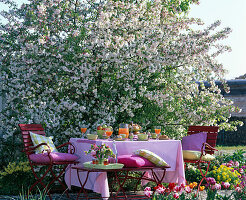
(48, 159)
(212, 132)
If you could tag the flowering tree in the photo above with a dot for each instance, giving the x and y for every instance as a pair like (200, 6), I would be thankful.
(69, 63)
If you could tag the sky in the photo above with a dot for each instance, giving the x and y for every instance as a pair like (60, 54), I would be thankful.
(232, 13)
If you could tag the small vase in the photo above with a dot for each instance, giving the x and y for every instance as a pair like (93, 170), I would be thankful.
(100, 161)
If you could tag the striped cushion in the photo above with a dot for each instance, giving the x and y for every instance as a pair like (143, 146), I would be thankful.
(152, 157)
(38, 139)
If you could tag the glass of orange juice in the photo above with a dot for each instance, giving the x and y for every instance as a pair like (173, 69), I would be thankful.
(157, 129)
(83, 131)
(124, 129)
(109, 131)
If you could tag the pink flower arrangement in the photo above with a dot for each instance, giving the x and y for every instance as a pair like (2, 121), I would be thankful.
(101, 151)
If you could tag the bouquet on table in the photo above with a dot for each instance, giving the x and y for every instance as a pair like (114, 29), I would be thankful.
(101, 153)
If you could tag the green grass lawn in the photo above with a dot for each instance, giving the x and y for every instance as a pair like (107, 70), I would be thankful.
(230, 148)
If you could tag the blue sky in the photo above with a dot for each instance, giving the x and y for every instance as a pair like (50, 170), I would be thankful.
(232, 13)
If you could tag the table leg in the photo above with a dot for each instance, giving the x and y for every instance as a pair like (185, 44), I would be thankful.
(155, 177)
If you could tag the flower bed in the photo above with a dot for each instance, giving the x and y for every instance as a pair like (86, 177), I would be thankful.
(224, 181)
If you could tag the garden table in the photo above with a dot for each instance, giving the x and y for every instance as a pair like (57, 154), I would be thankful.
(169, 150)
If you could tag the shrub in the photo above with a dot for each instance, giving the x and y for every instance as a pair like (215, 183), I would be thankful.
(225, 174)
(15, 178)
(192, 174)
(238, 156)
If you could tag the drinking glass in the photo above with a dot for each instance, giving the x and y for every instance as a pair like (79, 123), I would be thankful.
(83, 131)
(157, 129)
(109, 131)
(124, 129)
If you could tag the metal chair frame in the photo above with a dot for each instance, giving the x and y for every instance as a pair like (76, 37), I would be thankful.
(29, 149)
(212, 132)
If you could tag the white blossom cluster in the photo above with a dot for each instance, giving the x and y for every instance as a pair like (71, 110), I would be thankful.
(68, 64)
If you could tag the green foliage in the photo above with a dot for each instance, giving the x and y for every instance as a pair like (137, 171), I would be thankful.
(17, 176)
(240, 194)
(238, 155)
(11, 149)
(192, 174)
(41, 196)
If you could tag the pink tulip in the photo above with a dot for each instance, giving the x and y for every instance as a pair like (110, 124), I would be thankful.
(160, 190)
(148, 193)
(226, 185)
(177, 188)
(216, 186)
(241, 170)
(236, 164)
(176, 195)
(188, 189)
(229, 164)
(238, 189)
(147, 189)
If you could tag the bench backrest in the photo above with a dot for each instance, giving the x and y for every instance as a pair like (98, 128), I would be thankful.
(25, 131)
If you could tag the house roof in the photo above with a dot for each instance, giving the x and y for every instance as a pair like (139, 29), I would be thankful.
(237, 87)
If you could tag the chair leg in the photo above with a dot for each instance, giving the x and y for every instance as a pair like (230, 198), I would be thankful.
(40, 179)
(203, 175)
(185, 166)
(57, 178)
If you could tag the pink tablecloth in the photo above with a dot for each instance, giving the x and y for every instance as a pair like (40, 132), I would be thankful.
(169, 150)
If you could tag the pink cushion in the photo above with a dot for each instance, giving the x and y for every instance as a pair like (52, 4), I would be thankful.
(134, 161)
(194, 142)
(56, 156)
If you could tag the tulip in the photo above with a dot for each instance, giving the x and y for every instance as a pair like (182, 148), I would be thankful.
(188, 189)
(148, 193)
(216, 186)
(201, 188)
(236, 164)
(171, 186)
(147, 189)
(226, 185)
(160, 189)
(238, 189)
(176, 195)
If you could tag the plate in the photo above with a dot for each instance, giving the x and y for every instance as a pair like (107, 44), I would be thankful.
(102, 166)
